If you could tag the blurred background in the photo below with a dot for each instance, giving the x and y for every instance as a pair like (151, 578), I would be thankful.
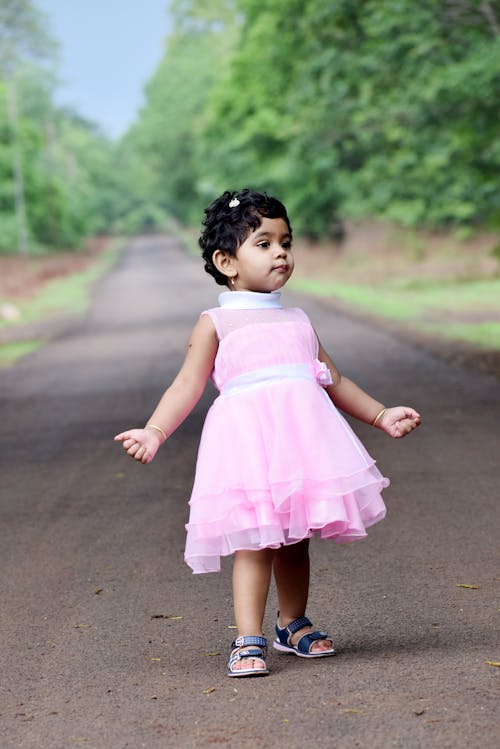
(376, 122)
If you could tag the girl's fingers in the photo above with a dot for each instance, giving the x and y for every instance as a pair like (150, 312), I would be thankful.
(133, 443)
(128, 434)
(406, 426)
(124, 435)
(404, 413)
(139, 452)
(404, 421)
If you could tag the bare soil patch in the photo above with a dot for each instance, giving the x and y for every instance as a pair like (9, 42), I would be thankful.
(370, 253)
(373, 253)
(22, 277)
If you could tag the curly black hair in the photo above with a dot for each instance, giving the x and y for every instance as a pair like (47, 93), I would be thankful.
(227, 226)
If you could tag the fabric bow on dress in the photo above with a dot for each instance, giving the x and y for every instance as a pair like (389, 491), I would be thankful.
(322, 373)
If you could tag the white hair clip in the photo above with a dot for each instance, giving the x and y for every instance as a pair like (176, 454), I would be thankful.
(234, 202)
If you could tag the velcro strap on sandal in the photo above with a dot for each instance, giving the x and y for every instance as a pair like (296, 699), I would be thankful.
(305, 642)
(249, 640)
(297, 624)
(250, 653)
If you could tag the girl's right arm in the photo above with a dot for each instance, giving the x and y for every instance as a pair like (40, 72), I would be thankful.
(180, 398)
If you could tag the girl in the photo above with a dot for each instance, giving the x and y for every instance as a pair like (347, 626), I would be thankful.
(277, 462)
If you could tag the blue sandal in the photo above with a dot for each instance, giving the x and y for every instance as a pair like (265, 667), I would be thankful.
(303, 647)
(260, 652)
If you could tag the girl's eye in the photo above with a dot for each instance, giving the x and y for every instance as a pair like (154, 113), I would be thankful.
(263, 244)
(287, 245)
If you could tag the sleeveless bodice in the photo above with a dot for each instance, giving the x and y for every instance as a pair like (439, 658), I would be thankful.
(253, 339)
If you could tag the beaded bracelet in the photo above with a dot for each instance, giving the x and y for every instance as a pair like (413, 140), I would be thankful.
(158, 429)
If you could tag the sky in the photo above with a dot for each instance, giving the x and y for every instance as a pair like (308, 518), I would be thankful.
(108, 51)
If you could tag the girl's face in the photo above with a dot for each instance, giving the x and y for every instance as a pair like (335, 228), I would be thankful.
(264, 262)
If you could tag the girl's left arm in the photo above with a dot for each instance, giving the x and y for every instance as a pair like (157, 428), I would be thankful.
(397, 421)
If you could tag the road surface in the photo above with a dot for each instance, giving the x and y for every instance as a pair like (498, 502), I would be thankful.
(107, 639)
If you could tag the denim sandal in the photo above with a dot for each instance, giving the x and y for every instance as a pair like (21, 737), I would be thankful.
(260, 652)
(303, 647)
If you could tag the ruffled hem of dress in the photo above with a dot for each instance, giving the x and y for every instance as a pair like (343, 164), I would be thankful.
(282, 515)
(278, 493)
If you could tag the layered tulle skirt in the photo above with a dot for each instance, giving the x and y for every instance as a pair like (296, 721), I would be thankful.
(276, 464)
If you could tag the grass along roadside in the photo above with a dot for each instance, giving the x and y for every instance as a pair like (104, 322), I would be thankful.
(457, 310)
(11, 352)
(67, 294)
(436, 284)
(60, 296)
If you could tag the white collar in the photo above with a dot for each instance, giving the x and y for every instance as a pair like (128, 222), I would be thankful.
(250, 300)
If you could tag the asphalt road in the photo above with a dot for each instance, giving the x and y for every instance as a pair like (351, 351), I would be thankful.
(108, 641)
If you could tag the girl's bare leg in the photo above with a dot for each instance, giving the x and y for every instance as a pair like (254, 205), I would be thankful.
(251, 578)
(291, 572)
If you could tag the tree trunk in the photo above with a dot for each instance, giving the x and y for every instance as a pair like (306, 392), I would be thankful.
(22, 233)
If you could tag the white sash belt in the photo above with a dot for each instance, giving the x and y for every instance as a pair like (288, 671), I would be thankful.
(314, 372)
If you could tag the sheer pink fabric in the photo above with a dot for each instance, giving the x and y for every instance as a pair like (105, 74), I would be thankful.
(277, 462)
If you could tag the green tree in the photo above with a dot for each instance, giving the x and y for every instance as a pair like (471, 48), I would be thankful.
(385, 107)
(168, 135)
(22, 37)
(63, 184)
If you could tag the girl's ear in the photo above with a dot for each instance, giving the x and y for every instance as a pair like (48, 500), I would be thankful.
(224, 262)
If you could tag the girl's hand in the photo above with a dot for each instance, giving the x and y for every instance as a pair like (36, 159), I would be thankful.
(140, 444)
(399, 421)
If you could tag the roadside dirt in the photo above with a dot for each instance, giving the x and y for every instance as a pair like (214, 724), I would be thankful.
(390, 255)
(374, 253)
(22, 277)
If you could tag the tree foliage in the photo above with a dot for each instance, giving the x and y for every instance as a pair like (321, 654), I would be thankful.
(352, 107)
(343, 108)
(65, 164)
(169, 132)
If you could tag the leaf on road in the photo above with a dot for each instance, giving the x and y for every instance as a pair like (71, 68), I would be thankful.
(210, 655)
(97, 591)
(352, 710)
(493, 663)
(419, 712)
(232, 626)
(466, 585)
(82, 626)
(209, 690)
(119, 475)
(172, 617)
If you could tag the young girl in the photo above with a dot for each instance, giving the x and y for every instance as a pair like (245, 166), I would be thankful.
(277, 463)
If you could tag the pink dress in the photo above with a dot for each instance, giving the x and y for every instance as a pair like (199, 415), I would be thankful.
(277, 462)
